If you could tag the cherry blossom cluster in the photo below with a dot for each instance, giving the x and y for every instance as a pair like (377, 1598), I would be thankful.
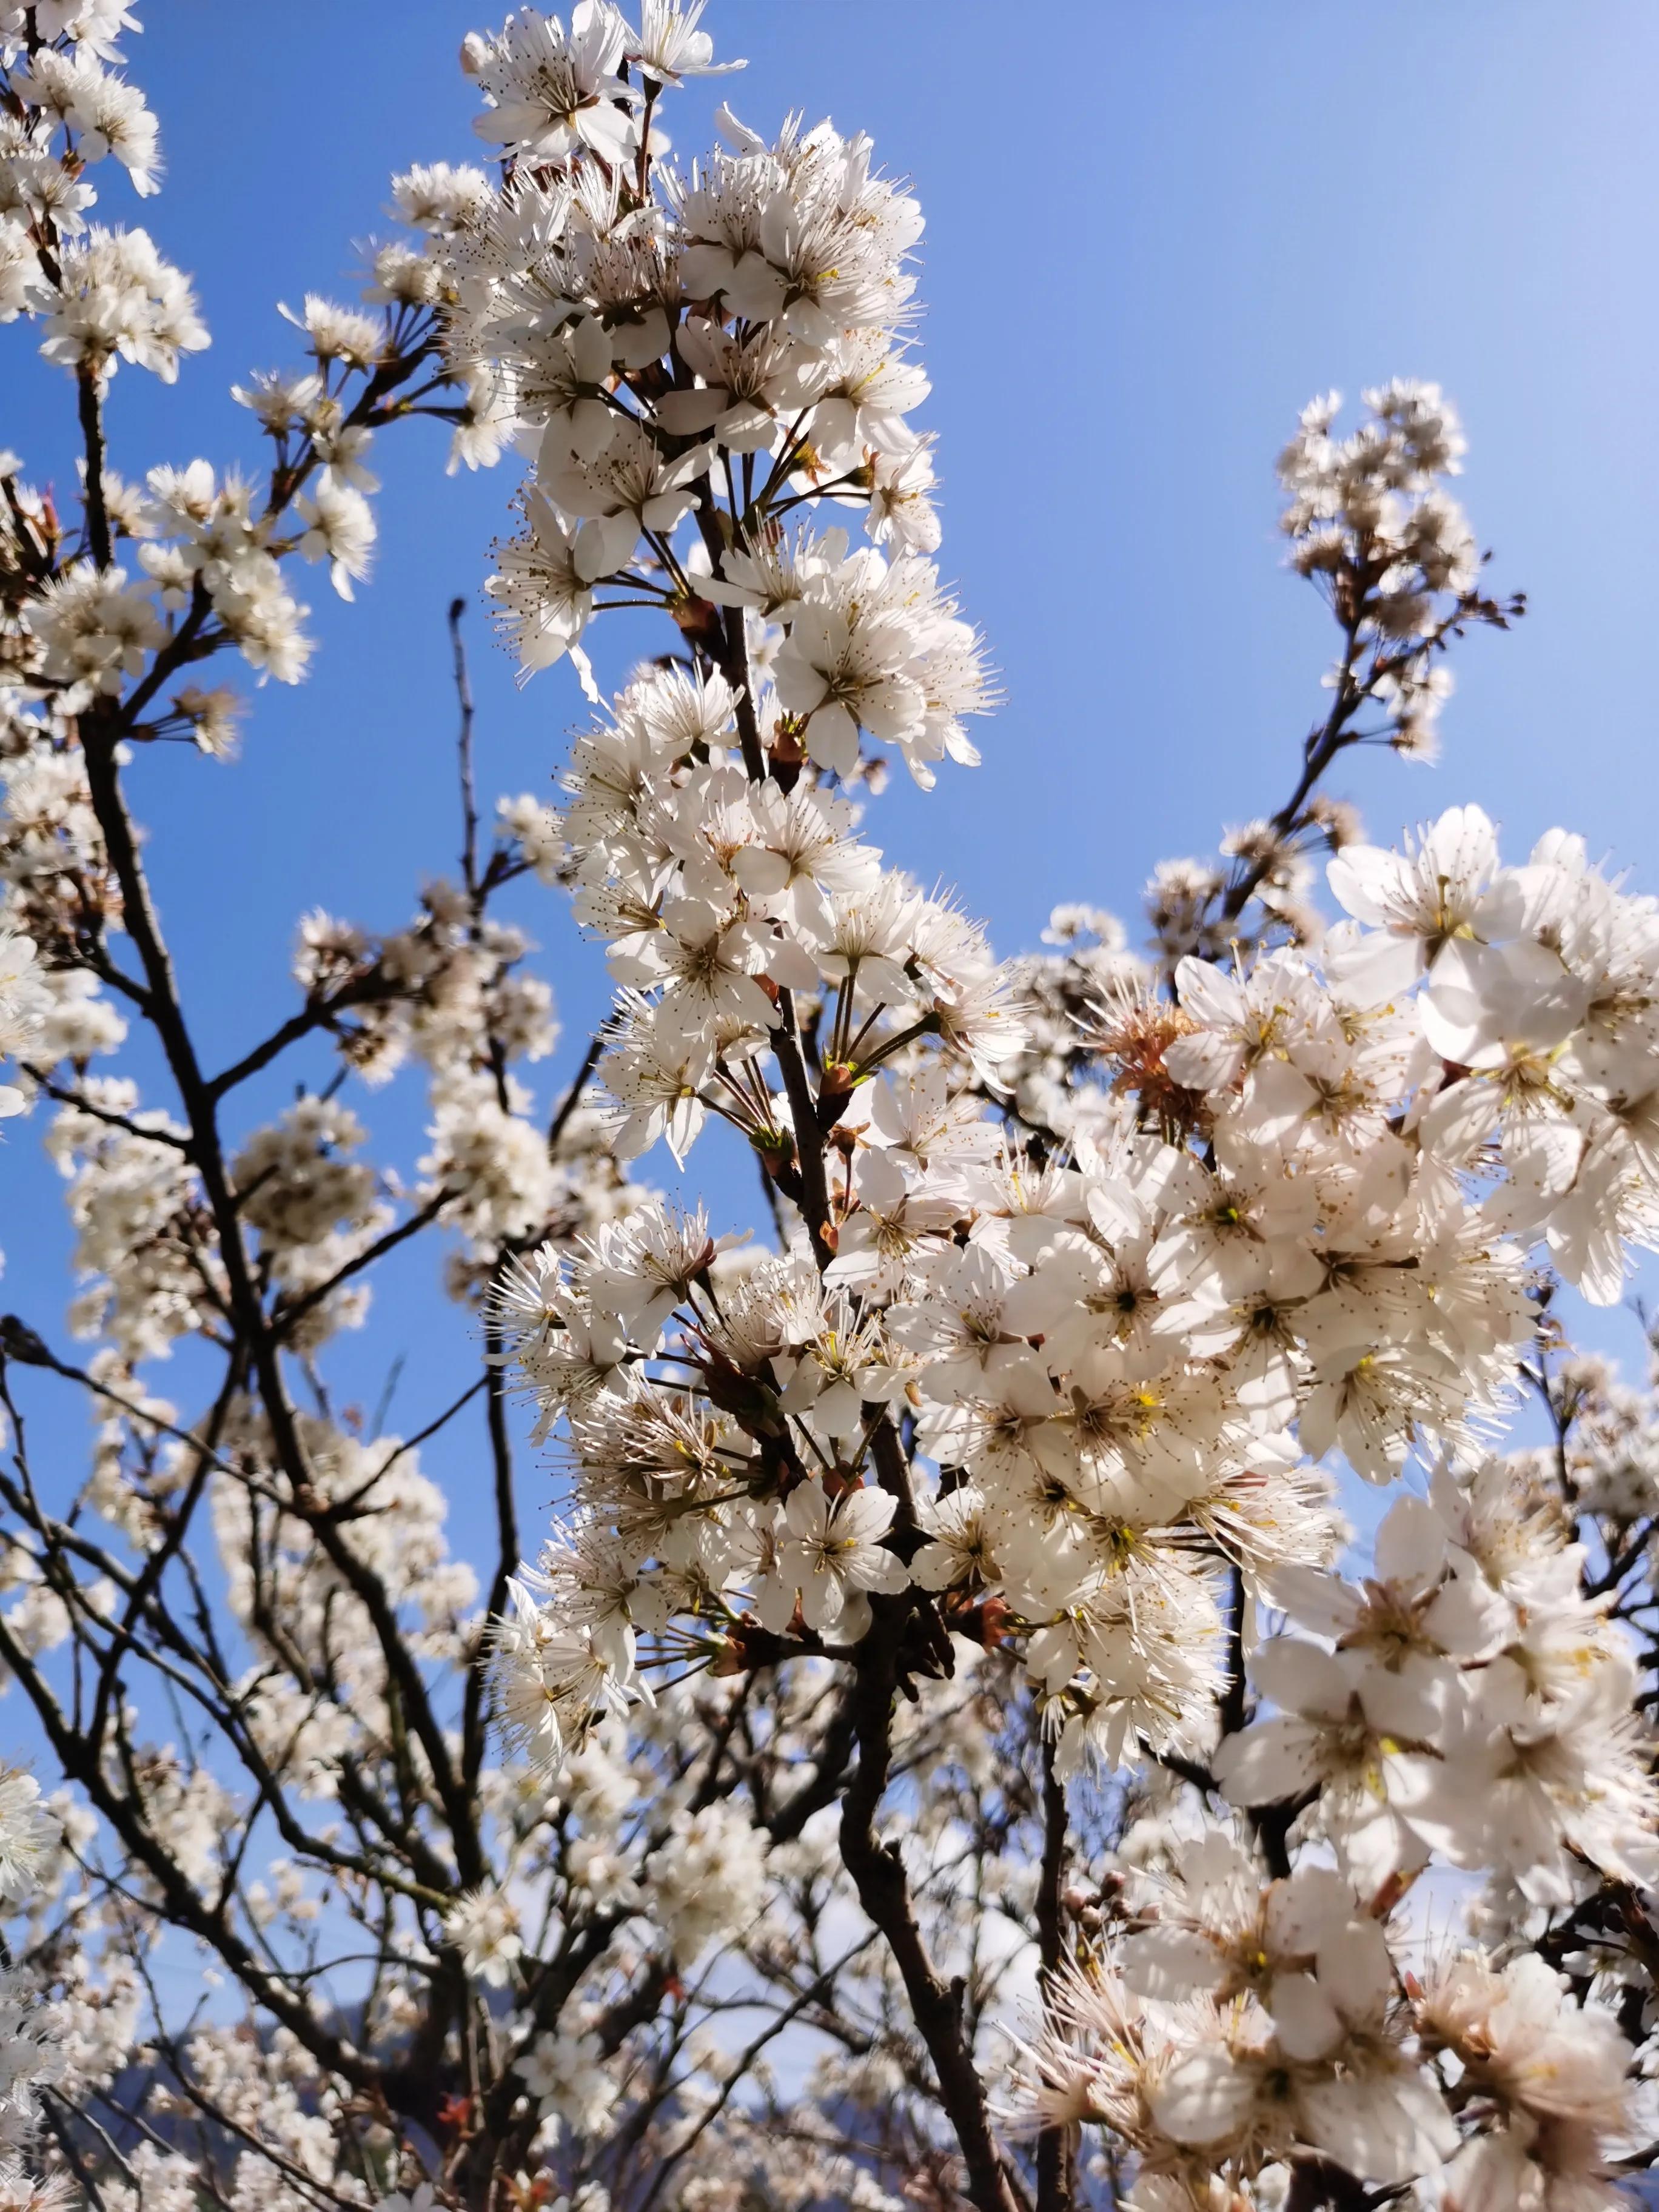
(1247, 2023)
(694, 360)
(208, 550)
(31, 2057)
(1372, 524)
(1466, 1700)
(1124, 1363)
(24, 1001)
(1104, 1661)
(1054, 1379)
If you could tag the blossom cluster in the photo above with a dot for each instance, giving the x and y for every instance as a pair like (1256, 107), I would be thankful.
(23, 1003)
(81, 626)
(1059, 1400)
(1247, 2022)
(1124, 1362)
(662, 344)
(1372, 524)
(31, 2054)
(950, 1612)
(1466, 1704)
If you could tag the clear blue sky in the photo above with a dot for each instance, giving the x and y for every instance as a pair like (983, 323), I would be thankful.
(1153, 231)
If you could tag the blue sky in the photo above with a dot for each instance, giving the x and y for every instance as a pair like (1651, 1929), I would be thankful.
(1153, 232)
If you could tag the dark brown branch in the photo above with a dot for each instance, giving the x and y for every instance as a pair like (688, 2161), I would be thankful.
(507, 1550)
(90, 405)
(289, 1311)
(809, 1141)
(877, 1872)
(469, 789)
(573, 1096)
(192, 641)
(100, 746)
(66, 1097)
(316, 1014)
(1232, 1705)
(1056, 2146)
(824, 1785)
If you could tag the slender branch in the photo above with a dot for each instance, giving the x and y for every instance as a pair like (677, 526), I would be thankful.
(316, 1014)
(1056, 2145)
(290, 1311)
(90, 406)
(738, 2072)
(809, 1141)
(67, 1097)
(573, 1096)
(179, 1898)
(57, 2119)
(100, 750)
(507, 1548)
(1320, 750)
(877, 1872)
(155, 1565)
(192, 641)
(469, 791)
(20, 1342)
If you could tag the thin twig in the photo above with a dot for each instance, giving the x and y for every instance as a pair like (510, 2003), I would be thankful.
(469, 792)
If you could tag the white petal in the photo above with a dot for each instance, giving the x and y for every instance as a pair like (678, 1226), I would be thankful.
(1274, 1761)
(1411, 1544)
(1309, 2026)
(1170, 1962)
(1391, 2128)
(1205, 2097)
(1301, 1678)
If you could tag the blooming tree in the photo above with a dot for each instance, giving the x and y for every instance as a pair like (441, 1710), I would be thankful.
(952, 1746)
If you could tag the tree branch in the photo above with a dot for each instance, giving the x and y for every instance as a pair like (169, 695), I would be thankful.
(877, 1872)
(1056, 2145)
